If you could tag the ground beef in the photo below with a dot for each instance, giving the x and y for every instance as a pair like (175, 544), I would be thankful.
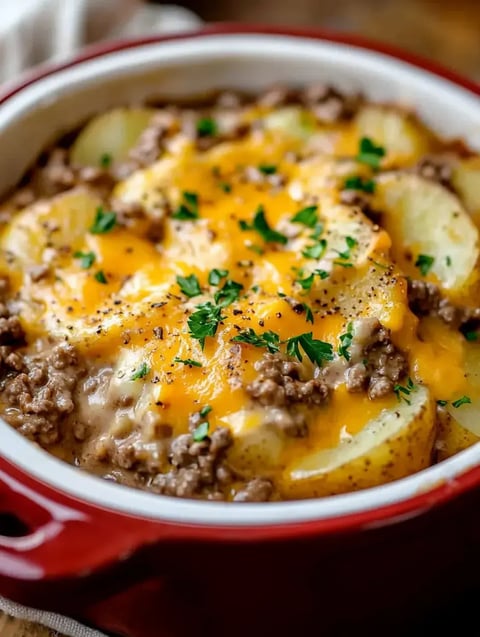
(351, 197)
(280, 385)
(329, 105)
(256, 490)
(38, 391)
(377, 365)
(436, 168)
(425, 299)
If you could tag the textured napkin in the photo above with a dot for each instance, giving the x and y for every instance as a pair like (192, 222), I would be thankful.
(33, 31)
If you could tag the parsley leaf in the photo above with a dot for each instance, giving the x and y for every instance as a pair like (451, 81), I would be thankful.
(206, 127)
(204, 411)
(216, 275)
(317, 351)
(141, 372)
(351, 243)
(315, 251)
(369, 153)
(442, 403)
(464, 400)
(358, 183)
(105, 160)
(105, 220)
(201, 432)
(260, 225)
(87, 259)
(228, 294)
(100, 277)
(448, 261)
(317, 232)
(187, 361)
(204, 321)
(345, 342)
(267, 169)
(424, 263)
(402, 391)
(225, 186)
(269, 339)
(308, 313)
(189, 285)
(188, 209)
(308, 216)
(471, 335)
(307, 282)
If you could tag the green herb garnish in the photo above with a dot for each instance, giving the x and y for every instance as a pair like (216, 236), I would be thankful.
(225, 186)
(206, 127)
(228, 293)
(204, 321)
(141, 372)
(269, 339)
(402, 391)
(345, 342)
(308, 216)
(201, 432)
(358, 183)
(307, 282)
(351, 243)
(100, 277)
(105, 220)
(204, 411)
(188, 209)
(105, 160)
(189, 285)
(317, 351)
(471, 335)
(267, 169)
(216, 275)
(424, 263)
(87, 259)
(260, 225)
(448, 261)
(187, 361)
(442, 403)
(308, 313)
(315, 251)
(464, 400)
(369, 153)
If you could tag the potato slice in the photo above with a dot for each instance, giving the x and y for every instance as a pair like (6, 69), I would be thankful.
(395, 444)
(110, 135)
(466, 181)
(452, 438)
(293, 121)
(395, 130)
(422, 217)
(61, 221)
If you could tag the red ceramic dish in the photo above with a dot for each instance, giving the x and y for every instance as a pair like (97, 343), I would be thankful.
(83, 536)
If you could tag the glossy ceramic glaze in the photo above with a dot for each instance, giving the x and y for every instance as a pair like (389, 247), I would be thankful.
(80, 529)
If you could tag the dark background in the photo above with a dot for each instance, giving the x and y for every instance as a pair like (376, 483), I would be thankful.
(445, 30)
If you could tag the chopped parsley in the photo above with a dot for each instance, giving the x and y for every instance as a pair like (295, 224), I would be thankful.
(424, 263)
(201, 432)
(260, 225)
(105, 220)
(189, 285)
(105, 160)
(369, 153)
(315, 251)
(206, 127)
(100, 277)
(448, 261)
(358, 183)
(204, 321)
(317, 351)
(187, 361)
(267, 169)
(188, 209)
(317, 232)
(269, 339)
(471, 335)
(308, 216)
(345, 342)
(464, 400)
(216, 275)
(442, 403)
(204, 411)
(351, 243)
(256, 249)
(343, 264)
(87, 259)
(225, 186)
(141, 372)
(307, 282)
(308, 313)
(228, 293)
(401, 391)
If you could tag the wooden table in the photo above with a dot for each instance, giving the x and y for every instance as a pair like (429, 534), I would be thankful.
(444, 30)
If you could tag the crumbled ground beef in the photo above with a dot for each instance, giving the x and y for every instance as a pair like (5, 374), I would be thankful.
(329, 105)
(435, 168)
(425, 299)
(256, 490)
(38, 391)
(354, 198)
(280, 385)
(377, 365)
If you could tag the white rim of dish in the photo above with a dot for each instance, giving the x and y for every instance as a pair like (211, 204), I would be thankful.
(70, 480)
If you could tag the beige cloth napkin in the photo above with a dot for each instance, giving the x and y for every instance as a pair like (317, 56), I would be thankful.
(33, 31)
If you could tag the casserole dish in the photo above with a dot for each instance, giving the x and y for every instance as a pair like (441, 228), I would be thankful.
(78, 535)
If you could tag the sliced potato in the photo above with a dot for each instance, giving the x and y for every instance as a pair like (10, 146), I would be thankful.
(466, 181)
(424, 218)
(452, 438)
(291, 120)
(110, 135)
(395, 444)
(61, 221)
(396, 131)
